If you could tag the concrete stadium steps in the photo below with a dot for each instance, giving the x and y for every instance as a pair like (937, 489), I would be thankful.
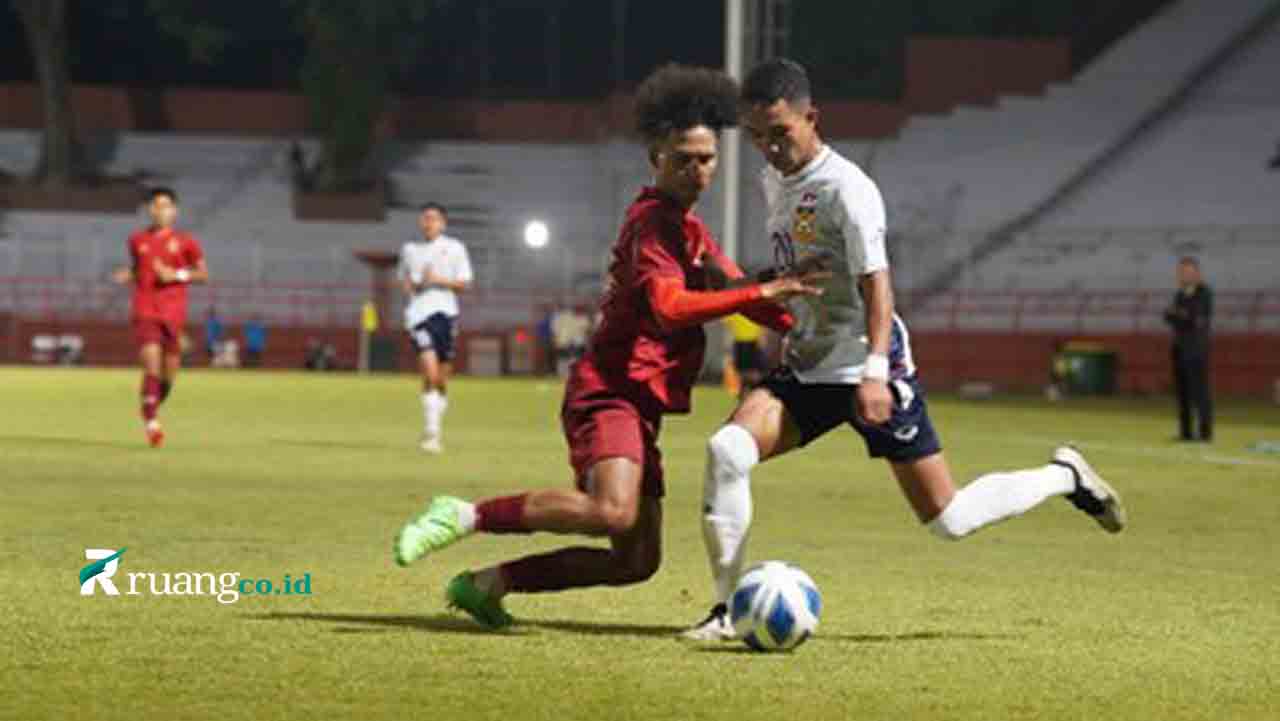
(1010, 157)
(1131, 259)
(1206, 165)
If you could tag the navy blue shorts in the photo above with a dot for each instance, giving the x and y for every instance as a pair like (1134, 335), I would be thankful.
(819, 407)
(434, 334)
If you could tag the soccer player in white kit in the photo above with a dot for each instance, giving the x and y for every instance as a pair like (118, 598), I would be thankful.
(848, 358)
(432, 272)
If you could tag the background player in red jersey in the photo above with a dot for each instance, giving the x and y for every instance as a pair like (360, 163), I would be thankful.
(163, 262)
(641, 364)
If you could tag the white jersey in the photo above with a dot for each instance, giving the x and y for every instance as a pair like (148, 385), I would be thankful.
(444, 256)
(831, 206)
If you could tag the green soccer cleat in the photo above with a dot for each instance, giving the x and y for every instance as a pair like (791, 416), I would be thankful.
(462, 594)
(431, 531)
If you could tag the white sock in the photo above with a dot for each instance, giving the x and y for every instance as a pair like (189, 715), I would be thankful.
(726, 504)
(467, 517)
(996, 496)
(434, 404)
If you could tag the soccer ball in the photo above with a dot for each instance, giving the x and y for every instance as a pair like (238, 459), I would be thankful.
(775, 606)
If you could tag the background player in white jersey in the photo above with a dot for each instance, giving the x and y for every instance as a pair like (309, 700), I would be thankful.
(432, 272)
(848, 357)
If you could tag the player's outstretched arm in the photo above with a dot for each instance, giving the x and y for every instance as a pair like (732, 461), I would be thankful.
(675, 306)
(122, 275)
(727, 274)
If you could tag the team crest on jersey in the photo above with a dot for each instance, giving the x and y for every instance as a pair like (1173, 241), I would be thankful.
(804, 226)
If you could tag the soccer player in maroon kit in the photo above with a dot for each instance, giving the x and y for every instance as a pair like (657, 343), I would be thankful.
(163, 262)
(667, 277)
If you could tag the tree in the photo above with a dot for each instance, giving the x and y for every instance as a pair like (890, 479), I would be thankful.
(62, 159)
(353, 50)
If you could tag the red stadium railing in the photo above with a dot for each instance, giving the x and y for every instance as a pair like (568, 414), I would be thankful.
(292, 304)
(955, 330)
(1256, 311)
(338, 305)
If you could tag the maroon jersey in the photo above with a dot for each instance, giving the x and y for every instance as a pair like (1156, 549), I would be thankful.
(153, 299)
(630, 354)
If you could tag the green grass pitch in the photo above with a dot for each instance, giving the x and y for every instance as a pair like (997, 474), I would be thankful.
(267, 474)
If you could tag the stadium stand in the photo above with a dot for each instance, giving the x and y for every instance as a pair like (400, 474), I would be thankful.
(1157, 179)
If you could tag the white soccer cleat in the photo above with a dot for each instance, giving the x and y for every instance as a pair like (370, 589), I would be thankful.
(1093, 495)
(432, 445)
(715, 627)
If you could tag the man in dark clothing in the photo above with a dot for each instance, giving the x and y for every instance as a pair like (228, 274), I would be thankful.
(1190, 315)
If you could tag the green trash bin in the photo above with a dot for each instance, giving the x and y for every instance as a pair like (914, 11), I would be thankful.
(1086, 369)
(383, 352)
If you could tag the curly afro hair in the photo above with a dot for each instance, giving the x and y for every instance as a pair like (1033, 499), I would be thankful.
(679, 97)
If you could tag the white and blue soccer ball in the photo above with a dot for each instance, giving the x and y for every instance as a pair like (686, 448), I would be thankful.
(775, 607)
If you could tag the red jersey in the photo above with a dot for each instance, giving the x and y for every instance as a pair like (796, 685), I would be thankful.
(630, 353)
(153, 299)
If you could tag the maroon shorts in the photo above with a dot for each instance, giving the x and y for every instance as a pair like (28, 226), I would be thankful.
(166, 334)
(599, 426)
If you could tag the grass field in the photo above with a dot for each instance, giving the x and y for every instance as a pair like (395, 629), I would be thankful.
(1045, 617)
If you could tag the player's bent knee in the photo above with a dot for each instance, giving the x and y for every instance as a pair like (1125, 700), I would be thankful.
(617, 519)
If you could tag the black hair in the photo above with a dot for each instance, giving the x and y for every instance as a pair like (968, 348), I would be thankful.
(160, 190)
(436, 207)
(1190, 260)
(774, 80)
(679, 97)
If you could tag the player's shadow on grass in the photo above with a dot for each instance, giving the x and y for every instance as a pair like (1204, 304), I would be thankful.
(443, 623)
(863, 638)
(606, 629)
(372, 623)
(917, 636)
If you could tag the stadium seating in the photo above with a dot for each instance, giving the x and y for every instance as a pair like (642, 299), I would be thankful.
(1205, 166)
(1006, 159)
(1196, 182)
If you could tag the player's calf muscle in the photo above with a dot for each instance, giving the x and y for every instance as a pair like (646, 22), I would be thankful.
(575, 512)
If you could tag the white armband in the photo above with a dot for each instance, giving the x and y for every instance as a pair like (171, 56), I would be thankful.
(183, 275)
(877, 367)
